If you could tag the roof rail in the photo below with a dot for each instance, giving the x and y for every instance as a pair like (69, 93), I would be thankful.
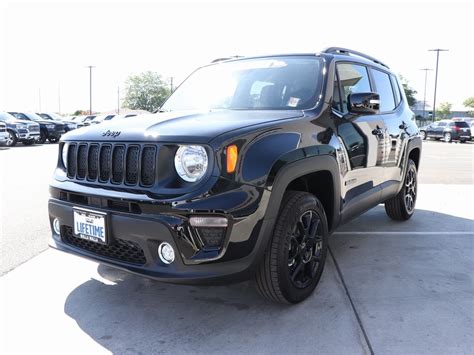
(340, 50)
(226, 58)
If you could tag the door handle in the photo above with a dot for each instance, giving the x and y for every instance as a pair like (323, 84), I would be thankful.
(378, 132)
(403, 126)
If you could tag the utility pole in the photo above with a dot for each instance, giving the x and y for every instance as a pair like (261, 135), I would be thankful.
(171, 84)
(424, 95)
(118, 100)
(437, 50)
(90, 88)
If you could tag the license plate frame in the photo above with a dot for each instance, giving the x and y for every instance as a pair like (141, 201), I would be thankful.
(91, 225)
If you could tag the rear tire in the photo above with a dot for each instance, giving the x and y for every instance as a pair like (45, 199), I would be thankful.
(423, 135)
(53, 140)
(402, 206)
(294, 260)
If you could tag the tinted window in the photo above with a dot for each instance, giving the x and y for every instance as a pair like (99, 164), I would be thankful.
(383, 87)
(442, 124)
(461, 124)
(353, 78)
(336, 96)
(396, 90)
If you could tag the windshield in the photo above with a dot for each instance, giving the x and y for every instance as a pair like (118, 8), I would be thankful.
(33, 116)
(275, 83)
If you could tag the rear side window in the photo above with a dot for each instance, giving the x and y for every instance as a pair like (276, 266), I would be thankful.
(353, 78)
(442, 124)
(396, 90)
(383, 87)
(461, 124)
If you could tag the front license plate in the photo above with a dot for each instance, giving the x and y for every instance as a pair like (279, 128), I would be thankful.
(90, 225)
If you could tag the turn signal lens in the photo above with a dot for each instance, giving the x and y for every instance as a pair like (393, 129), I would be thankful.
(232, 155)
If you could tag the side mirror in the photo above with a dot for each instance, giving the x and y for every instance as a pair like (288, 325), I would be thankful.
(363, 103)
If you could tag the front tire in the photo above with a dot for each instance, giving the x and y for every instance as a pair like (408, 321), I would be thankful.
(447, 137)
(12, 140)
(423, 135)
(42, 138)
(295, 258)
(402, 206)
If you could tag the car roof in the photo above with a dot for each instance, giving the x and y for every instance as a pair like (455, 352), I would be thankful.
(337, 56)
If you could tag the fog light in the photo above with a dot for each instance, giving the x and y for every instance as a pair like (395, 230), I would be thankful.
(166, 253)
(208, 222)
(56, 226)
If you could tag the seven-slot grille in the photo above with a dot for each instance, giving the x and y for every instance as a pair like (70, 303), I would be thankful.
(119, 163)
(33, 128)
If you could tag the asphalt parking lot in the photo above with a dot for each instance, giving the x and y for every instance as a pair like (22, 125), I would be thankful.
(390, 288)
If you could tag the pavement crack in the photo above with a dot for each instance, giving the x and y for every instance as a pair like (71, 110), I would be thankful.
(354, 309)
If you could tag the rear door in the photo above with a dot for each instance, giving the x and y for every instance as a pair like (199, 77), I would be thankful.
(439, 131)
(396, 120)
(363, 141)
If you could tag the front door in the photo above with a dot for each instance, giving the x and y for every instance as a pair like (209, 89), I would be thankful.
(363, 139)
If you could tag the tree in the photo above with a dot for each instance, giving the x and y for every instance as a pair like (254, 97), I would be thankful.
(80, 113)
(409, 91)
(443, 111)
(145, 91)
(469, 104)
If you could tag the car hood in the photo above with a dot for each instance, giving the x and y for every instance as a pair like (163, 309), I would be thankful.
(18, 121)
(191, 127)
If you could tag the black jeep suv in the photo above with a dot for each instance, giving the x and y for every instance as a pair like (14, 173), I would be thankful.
(244, 172)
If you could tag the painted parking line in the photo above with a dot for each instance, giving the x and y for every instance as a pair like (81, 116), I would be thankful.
(404, 232)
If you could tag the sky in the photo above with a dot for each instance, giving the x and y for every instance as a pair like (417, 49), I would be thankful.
(46, 46)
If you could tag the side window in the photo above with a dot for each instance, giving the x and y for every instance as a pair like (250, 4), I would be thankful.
(336, 96)
(353, 78)
(396, 90)
(442, 124)
(383, 87)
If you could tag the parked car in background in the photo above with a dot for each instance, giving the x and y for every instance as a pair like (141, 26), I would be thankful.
(49, 129)
(448, 130)
(3, 134)
(69, 125)
(102, 118)
(18, 130)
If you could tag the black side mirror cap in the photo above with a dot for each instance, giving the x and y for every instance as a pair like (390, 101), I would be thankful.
(363, 103)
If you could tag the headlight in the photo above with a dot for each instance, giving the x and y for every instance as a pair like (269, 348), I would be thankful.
(50, 126)
(64, 154)
(21, 126)
(191, 162)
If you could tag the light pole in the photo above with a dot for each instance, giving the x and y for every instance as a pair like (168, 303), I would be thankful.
(90, 88)
(118, 100)
(59, 98)
(437, 50)
(39, 99)
(424, 95)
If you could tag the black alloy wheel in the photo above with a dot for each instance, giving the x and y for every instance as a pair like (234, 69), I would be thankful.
(294, 261)
(402, 206)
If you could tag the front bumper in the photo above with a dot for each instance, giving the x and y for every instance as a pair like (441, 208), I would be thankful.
(138, 233)
(29, 136)
(55, 134)
(3, 138)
